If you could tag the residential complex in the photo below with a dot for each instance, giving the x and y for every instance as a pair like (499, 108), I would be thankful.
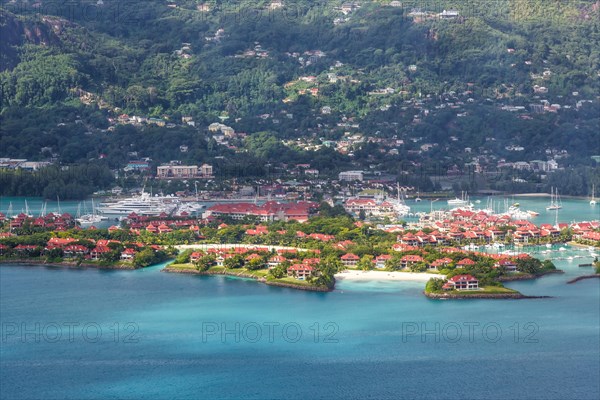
(184, 171)
(270, 211)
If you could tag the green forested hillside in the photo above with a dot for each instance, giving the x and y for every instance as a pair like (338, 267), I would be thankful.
(253, 64)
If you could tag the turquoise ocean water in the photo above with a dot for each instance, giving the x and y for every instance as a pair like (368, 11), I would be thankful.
(214, 337)
(573, 209)
(88, 334)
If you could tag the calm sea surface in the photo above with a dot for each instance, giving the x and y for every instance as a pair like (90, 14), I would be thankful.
(573, 209)
(88, 334)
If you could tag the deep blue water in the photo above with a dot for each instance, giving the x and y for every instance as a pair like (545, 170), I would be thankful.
(372, 348)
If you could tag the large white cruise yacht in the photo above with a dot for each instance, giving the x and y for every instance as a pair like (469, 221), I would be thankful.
(144, 204)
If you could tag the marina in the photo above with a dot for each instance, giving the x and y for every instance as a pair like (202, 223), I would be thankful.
(574, 209)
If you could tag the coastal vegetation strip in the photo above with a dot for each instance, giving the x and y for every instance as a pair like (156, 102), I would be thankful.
(461, 295)
(67, 264)
(259, 275)
(526, 276)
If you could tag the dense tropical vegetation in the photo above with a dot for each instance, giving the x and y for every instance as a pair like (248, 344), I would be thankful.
(66, 69)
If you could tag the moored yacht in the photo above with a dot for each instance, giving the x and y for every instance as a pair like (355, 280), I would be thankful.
(460, 202)
(87, 220)
(555, 203)
(144, 204)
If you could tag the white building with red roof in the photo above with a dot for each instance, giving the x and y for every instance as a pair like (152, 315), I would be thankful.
(465, 262)
(349, 259)
(300, 271)
(410, 259)
(381, 260)
(508, 265)
(275, 261)
(462, 282)
(270, 211)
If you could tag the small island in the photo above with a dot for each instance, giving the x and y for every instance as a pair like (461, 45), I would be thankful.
(272, 267)
(489, 286)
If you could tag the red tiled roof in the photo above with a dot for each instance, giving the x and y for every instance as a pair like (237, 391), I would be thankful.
(463, 278)
(350, 256)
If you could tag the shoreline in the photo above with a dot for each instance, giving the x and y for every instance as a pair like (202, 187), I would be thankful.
(190, 271)
(508, 278)
(474, 295)
(358, 275)
(581, 246)
(567, 196)
(65, 264)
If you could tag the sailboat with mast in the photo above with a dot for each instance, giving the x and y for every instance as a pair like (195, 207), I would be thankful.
(593, 200)
(463, 201)
(87, 220)
(399, 206)
(555, 203)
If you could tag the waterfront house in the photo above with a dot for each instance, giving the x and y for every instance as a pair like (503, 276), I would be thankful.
(98, 251)
(26, 249)
(195, 256)
(462, 282)
(591, 235)
(349, 260)
(127, 254)
(381, 260)
(275, 261)
(75, 250)
(440, 263)
(300, 271)
(410, 260)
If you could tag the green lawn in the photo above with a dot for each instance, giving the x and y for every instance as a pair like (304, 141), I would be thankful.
(188, 266)
(292, 281)
(259, 273)
(483, 290)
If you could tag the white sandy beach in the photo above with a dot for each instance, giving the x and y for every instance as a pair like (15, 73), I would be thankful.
(385, 276)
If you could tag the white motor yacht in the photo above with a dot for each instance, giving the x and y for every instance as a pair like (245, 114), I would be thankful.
(144, 204)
